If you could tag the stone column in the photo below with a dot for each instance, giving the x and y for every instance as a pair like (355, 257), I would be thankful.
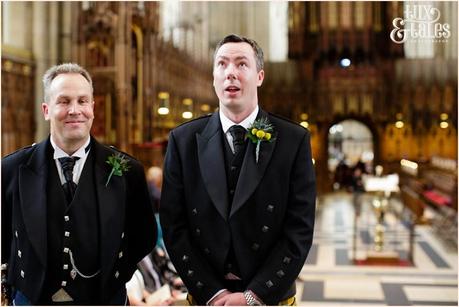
(122, 90)
(44, 41)
(40, 50)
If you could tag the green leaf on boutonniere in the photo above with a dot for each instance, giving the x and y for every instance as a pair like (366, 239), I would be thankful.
(260, 131)
(119, 165)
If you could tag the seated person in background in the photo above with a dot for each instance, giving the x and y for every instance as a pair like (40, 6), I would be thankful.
(135, 289)
(155, 282)
(142, 292)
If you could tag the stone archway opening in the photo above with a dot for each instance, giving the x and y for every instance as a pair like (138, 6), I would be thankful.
(350, 145)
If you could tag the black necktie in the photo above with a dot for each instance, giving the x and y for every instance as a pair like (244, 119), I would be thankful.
(67, 164)
(238, 133)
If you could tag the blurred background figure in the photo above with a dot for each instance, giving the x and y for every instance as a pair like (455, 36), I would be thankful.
(155, 180)
(342, 175)
(357, 183)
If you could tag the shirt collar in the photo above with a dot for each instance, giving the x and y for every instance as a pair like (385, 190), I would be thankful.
(246, 123)
(59, 153)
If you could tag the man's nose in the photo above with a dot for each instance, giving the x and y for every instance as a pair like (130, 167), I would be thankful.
(230, 72)
(74, 108)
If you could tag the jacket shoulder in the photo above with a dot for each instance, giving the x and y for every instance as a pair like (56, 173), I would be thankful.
(111, 150)
(118, 151)
(193, 125)
(19, 155)
(288, 124)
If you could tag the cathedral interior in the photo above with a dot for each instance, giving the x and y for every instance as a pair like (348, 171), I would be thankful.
(330, 66)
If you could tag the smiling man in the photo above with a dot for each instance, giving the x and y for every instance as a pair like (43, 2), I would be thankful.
(70, 234)
(238, 196)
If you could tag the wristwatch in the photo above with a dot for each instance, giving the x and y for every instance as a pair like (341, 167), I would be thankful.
(251, 300)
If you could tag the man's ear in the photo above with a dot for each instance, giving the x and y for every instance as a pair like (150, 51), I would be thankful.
(45, 110)
(261, 77)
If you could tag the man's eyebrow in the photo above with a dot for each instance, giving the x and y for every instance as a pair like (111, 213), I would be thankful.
(242, 57)
(238, 58)
(65, 96)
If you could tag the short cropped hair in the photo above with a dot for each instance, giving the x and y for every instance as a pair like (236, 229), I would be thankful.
(233, 38)
(66, 68)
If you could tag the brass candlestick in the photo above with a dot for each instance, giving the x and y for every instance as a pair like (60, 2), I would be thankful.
(379, 207)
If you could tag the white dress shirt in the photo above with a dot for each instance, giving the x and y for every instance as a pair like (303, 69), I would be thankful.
(228, 123)
(78, 168)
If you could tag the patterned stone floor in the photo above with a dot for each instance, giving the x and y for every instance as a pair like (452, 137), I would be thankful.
(330, 276)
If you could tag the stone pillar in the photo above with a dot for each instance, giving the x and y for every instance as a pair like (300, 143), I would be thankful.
(65, 32)
(44, 42)
(122, 90)
(40, 50)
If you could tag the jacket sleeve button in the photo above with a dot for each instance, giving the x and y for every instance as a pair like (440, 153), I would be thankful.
(269, 284)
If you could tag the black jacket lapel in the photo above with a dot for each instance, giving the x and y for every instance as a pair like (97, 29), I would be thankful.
(251, 171)
(212, 164)
(32, 192)
(111, 207)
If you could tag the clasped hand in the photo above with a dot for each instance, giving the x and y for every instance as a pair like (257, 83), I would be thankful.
(227, 298)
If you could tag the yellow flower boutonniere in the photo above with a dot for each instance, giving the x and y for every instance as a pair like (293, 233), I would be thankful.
(119, 165)
(260, 131)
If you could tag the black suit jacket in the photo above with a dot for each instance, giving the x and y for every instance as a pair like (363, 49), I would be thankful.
(271, 219)
(127, 225)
